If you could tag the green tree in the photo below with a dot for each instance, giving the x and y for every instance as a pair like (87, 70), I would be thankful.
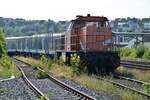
(140, 50)
(2, 44)
(147, 54)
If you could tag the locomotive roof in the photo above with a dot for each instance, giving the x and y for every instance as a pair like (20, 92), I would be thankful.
(90, 18)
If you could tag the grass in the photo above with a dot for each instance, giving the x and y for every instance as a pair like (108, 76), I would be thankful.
(42, 75)
(101, 85)
(136, 73)
(7, 67)
(63, 71)
(41, 98)
(47, 94)
(90, 81)
(34, 62)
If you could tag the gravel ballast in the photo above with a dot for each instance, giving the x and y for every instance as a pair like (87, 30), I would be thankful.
(99, 95)
(16, 89)
(48, 87)
(55, 92)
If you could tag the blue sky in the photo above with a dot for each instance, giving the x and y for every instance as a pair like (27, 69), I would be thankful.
(68, 9)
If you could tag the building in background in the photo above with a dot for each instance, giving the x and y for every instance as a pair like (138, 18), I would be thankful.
(146, 24)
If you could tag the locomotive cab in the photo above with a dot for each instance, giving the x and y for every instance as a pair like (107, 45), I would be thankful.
(89, 33)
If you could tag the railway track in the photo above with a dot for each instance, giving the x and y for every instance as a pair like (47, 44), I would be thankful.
(29, 83)
(6, 79)
(131, 79)
(59, 90)
(121, 81)
(129, 84)
(135, 64)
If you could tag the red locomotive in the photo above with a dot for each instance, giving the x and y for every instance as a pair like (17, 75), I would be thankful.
(91, 38)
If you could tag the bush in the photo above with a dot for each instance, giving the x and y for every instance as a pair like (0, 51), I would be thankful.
(34, 67)
(146, 88)
(60, 61)
(42, 75)
(132, 53)
(5, 61)
(42, 98)
(7, 67)
(140, 50)
(147, 54)
(128, 52)
(124, 52)
(46, 62)
(50, 62)
(75, 62)
(2, 44)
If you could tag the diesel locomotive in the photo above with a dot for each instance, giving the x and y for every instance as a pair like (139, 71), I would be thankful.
(90, 37)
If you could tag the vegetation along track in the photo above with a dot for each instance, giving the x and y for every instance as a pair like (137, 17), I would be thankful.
(52, 87)
(136, 64)
(129, 84)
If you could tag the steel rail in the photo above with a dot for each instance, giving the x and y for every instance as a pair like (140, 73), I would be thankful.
(64, 85)
(125, 87)
(135, 65)
(131, 79)
(35, 89)
(7, 79)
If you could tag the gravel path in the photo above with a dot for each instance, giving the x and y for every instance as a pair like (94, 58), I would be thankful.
(99, 95)
(16, 89)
